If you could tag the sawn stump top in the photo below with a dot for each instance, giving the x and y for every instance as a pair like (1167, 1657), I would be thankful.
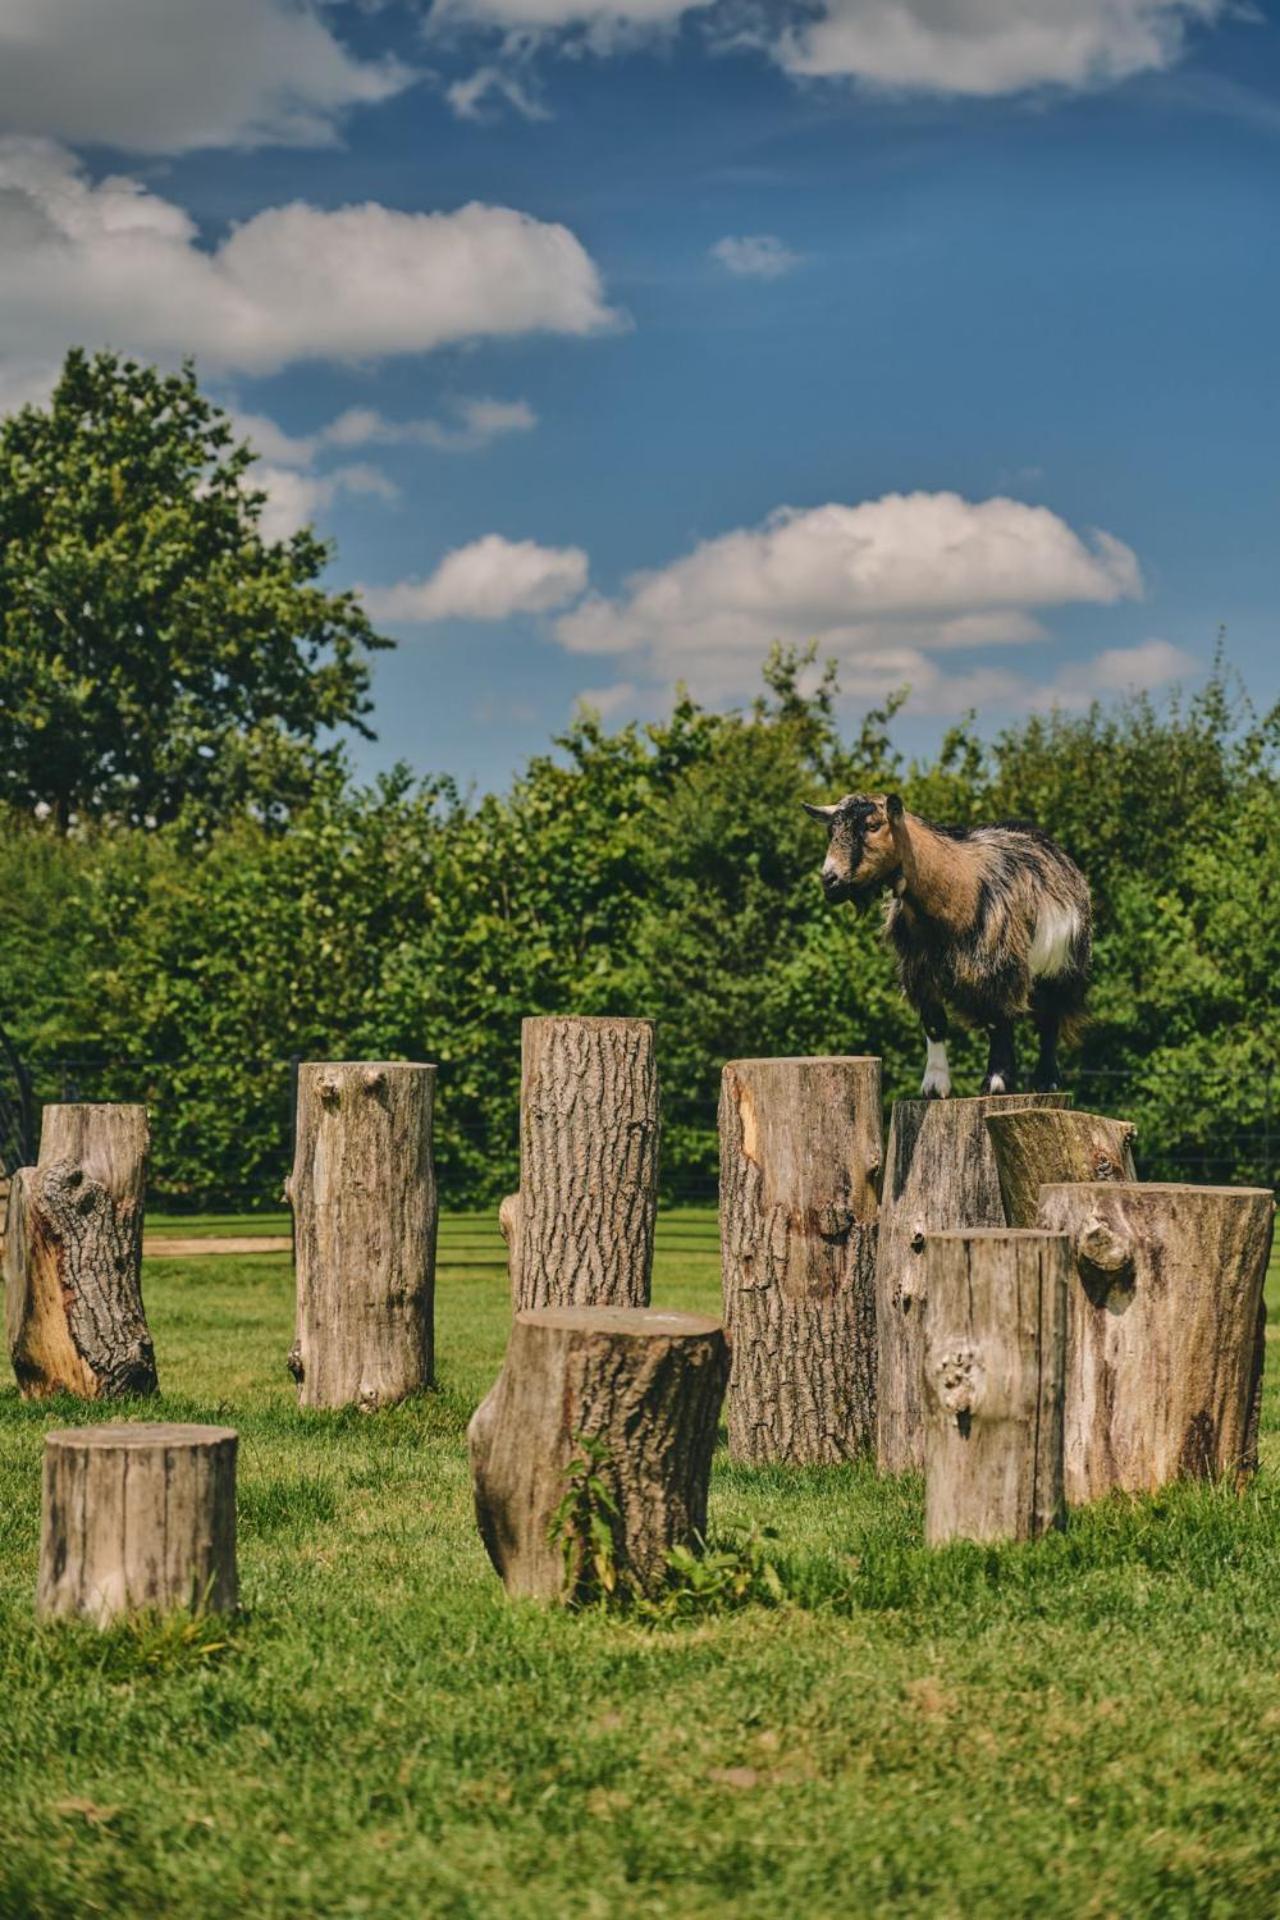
(640, 1323)
(138, 1434)
(1155, 1188)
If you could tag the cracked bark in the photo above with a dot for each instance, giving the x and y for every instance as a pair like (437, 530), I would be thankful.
(1164, 1331)
(994, 1357)
(363, 1194)
(647, 1386)
(580, 1231)
(800, 1149)
(73, 1257)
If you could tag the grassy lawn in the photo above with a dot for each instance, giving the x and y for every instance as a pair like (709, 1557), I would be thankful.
(1089, 1726)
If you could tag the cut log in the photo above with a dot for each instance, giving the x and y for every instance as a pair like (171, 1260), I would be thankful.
(582, 1231)
(1048, 1146)
(995, 1346)
(363, 1193)
(138, 1517)
(800, 1150)
(73, 1257)
(641, 1392)
(940, 1175)
(1163, 1330)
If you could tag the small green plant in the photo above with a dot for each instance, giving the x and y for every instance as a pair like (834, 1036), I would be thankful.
(738, 1571)
(582, 1528)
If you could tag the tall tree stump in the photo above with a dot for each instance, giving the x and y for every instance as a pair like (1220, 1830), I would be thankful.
(940, 1175)
(994, 1357)
(363, 1193)
(580, 1231)
(138, 1516)
(642, 1390)
(800, 1148)
(1048, 1146)
(73, 1257)
(1164, 1331)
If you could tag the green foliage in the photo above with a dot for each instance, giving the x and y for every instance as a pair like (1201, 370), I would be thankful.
(582, 1528)
(156, 654)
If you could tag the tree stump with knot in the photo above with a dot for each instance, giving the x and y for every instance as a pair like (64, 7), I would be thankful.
(363, 1193)
(940, 1175)
(994, 1355)
(73, 1257)
(1048, 1146)
(800, 1147)
(138, 1517)
(634, 1395)
(1165, 1331)
(580, 1231)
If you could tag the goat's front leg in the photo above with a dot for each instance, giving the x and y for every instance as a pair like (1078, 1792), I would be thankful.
(1002, 1059)
(936, 1084)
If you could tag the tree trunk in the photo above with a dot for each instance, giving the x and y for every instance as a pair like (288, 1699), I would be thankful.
(582, 1231)
(800, 1150)
(73, 1257)
(363, 1193)
(995, 1348)
(1163, 1325)
(940, 1175)
(1048, 1146)
(138, 1516)
(634, 1395)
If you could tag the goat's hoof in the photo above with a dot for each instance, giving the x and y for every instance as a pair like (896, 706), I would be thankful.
(999, 1083)
(936, 1090)
(1046, 1086)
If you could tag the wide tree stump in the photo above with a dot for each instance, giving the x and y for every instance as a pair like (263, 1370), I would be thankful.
(641, 1391)
(1048, 1146)
(994, 1357)
(1164, 1331)
(73, 1257)
(138, 1516)
(940, 1174)
(800, 1148)
(580, 1231)
(363, 1193)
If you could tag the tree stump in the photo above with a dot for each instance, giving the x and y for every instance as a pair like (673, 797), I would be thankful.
(363, 1193)
(138, 1516)
(73, 1257)
(641, 1391)
(1048, 1146)
(994, 1354)
(1164, 1331)
(800, 1148)
(940, 1175)
(581, 1230)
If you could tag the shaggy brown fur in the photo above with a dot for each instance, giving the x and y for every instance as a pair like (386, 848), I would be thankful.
(992, 922)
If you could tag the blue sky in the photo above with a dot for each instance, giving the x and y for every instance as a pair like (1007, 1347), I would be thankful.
(940, 331)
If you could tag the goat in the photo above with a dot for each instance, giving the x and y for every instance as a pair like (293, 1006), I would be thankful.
(992, 922)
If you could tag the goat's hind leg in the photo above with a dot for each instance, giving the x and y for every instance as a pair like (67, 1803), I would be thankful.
(936, 1084)
(1002, 1059)
(1045, 1077)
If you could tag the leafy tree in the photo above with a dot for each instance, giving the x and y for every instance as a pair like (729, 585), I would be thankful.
(156, 652)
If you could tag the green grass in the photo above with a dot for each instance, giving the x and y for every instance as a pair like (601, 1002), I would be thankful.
(1087, 1726)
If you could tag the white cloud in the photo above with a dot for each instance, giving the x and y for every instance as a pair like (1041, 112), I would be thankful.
(166, 76)
(476, 423)
(114, 262)
(295, 499)
(1140, 669)
(756, 256)
(883, 586)
(489, 579)
(607, 701)
(606, 23)
(471, 96)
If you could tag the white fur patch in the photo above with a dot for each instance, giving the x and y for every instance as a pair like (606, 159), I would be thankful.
(1054, 937)
(936, 1084)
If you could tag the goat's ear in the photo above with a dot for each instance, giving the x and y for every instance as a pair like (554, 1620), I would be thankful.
(825, 814)
(893, 807)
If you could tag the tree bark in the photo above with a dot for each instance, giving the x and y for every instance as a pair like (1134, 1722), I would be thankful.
(644, 1390)
(995, 1349)
(800, 1151)
(73, 1257)
(582, 1231)
(135, 1517)
(1048, 1146)
(1163, 1331)
(363, 1193)
(940, 1175)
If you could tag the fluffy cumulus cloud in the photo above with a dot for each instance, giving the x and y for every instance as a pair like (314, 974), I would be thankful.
(112, 261)
(296, 498)
(490, 579)
(165, 76)
(755, 256)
